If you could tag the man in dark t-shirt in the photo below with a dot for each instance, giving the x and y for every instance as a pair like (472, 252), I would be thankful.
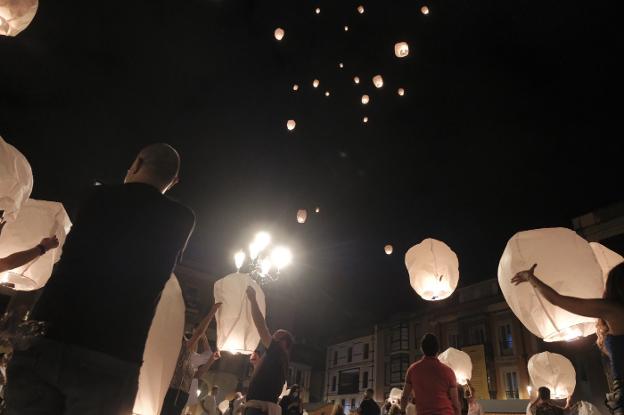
(99, 303)
(269, 376)
(368, 405)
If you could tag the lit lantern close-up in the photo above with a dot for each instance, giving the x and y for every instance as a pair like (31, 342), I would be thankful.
(378, 81)
(317, 10)
(291, 124)
(401, 92)
(295, 87)
(279, 33)
(302, 215)
(388, 249)
(365, 99)
(433, 269)
(16, 15)
(401, 49)
(356, 79)
(553, 371)
(346, 28)
(424, 10)
(360, 9)
(16, 180)
(365, 120)
(236, 331)
(607, 259)
(460, 362)
(315, 83)
(327, 93)
(36, 220)
(162, 347)
(565, 262)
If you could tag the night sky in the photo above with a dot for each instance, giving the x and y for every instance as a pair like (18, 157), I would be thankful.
(511, 121)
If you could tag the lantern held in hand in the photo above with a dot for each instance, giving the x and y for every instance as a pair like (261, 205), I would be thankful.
(16, 180)
(433, 269)
(236, 331)
(565, 262)
(553, 371)
(16, 15)
(460, 362)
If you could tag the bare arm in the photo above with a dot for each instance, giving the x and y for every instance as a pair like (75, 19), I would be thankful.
(454, 395)
(258, 318)
(407, 392)
(206, 366)
(201, 328)
(593, 307)
(24, 257)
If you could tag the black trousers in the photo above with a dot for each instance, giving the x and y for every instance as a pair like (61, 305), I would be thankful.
(175, 401)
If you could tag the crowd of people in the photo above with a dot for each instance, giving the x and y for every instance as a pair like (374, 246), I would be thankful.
(98, 317)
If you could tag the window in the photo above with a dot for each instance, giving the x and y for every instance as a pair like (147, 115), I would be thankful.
(365, 380)
(333, 384)
(400, 337)
(511, 385)
(349, 382)
(350, 355)
(352, 403)
(506, 340)
(399, 365)
(335, 357)
(366, 351)
(477, 335)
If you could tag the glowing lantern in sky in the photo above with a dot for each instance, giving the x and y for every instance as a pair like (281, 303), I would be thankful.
(341, 65)
(315, 83)
(424, 10)
(365, 120)
(291, 124)
(16, 180)
(365, 99)
(607, 259)
(433, 269)
(326, 93)
(356, 79)
(302, 215)
(295, 87)
(236, 332)
(317, 210)
(16, 15)
(346, 28)
(460, 362)
(279, 33)
(401, 49)
(378, 81)
(318, 10)
(566, 262)
(553, 371)
(37, 219)
(360, 9)
(401, 92)
(388, 249)
(162, 347)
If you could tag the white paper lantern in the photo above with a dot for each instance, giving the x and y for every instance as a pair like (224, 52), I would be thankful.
(326, 93)
(295, 87)
(162, 348)
(360, 9)
(302, 215)
(365, 120)
(395, 395)
(346, 28)
(553, 371)
(424, 10)
(341, 65)
(401, 92)
(315, 83)
(291, 124)
(16, 180)
(565, 262)
(433, 269)
(388, 249)
(607, 259)
(279, 33)
(37, 219)
(356, 79)
(460, 362)
(401, 49)
(236, 331)
(317, 210)
(317, 10)
(16, 15)
(378, 81)
(365, 99)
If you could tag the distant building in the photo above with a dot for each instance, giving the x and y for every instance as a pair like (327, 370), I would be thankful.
(605, 225)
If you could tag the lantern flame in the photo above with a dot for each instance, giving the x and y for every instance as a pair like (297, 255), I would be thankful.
(239, 259)
(266, 265)
(282, 257)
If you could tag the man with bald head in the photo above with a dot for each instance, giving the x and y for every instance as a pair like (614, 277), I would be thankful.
(99, 303)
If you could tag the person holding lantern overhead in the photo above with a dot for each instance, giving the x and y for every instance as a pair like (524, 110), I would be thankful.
(269, 375)
(99, 303)
(609, 310)
(18, 259)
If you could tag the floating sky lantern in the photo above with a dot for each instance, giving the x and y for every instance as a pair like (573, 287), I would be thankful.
(607, 259)
(317, 10)
(360, 9)
(302, 215)
(433, 269)
(236, 332)
(162, 347)
(356, 79)
(315, 83)
(346, 28)
(295, 87)
(378, 81)
(37, 219)
(317, 210)
(553, 371)
(424, 10)
(279, 33)
(401, 49)
(16, 15)
(341, 65)
(365, 99)
(365, 120)
(401, 92)
(566, 262)
(460, 362)
(291, 124)
(327, 93)
(388, 249)
(16, 180)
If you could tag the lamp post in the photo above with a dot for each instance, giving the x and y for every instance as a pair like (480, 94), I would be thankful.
(262, 261)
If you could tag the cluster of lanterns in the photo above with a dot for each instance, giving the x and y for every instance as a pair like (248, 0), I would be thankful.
(261, 265)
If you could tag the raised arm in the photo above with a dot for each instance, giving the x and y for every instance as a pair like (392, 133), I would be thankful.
(202, 327)
(258, 318)
(592, 307)
(206, 366)
(24, 257)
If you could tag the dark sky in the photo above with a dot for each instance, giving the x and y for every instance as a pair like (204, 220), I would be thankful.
(511, 121)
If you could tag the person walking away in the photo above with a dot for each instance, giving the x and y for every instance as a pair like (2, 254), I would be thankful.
(101, 298)
(368, 405)
(609, 312)
(432, 383)
(269, 375)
